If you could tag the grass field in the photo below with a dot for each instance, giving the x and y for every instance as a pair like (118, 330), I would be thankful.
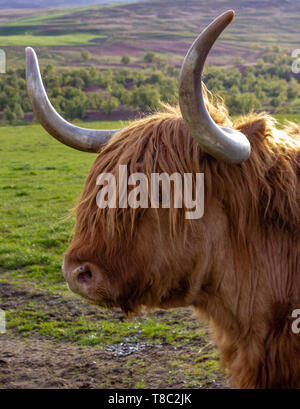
(40, 180)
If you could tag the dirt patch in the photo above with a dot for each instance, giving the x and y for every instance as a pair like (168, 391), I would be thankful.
(32, 360)
(36, 363)
(15, 297)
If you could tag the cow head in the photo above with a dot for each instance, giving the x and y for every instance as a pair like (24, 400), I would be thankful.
(147, 257)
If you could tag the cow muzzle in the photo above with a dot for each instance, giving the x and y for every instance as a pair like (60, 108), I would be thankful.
(83, 279)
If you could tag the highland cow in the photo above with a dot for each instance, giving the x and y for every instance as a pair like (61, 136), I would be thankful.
(238, 265)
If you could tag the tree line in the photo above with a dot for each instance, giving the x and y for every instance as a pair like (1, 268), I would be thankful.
(267, 84)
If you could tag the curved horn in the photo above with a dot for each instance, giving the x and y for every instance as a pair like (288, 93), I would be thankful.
(222, 143)
(87, 140)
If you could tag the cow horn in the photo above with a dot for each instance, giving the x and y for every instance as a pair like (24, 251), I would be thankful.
(87, 140)
(222, 143)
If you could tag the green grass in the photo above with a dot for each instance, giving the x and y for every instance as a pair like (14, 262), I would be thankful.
(47, 40)
(105, 331)
(52, 15)
(39, 18)
(40, 181)
(282, 118)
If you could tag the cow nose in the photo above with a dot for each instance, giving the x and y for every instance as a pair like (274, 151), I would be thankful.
(86, 279)
(82, 274)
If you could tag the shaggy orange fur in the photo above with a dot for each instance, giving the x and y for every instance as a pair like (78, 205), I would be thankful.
(238, 266)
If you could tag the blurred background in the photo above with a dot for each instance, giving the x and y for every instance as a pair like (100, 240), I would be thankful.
(113, 60)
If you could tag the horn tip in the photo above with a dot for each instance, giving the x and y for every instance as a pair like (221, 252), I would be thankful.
(31, 58)
(230, 15)
(29, 51)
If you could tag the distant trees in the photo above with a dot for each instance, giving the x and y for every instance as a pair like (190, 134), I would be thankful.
(125, 60)
(145, 97)
(75, 107)
(85, 55)
(110, 104)
(149, 57)
(242, 103)
(269, 84)
(12, 113)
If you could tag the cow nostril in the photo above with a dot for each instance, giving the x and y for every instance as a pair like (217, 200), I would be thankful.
(82, 274)
(84, 277)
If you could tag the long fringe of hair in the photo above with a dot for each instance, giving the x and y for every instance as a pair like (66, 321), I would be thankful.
(264, 190)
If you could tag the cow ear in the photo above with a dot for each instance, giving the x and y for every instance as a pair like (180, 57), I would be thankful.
(252, 127)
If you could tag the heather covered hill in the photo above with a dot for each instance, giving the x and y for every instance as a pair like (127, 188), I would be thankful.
(163, 26)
